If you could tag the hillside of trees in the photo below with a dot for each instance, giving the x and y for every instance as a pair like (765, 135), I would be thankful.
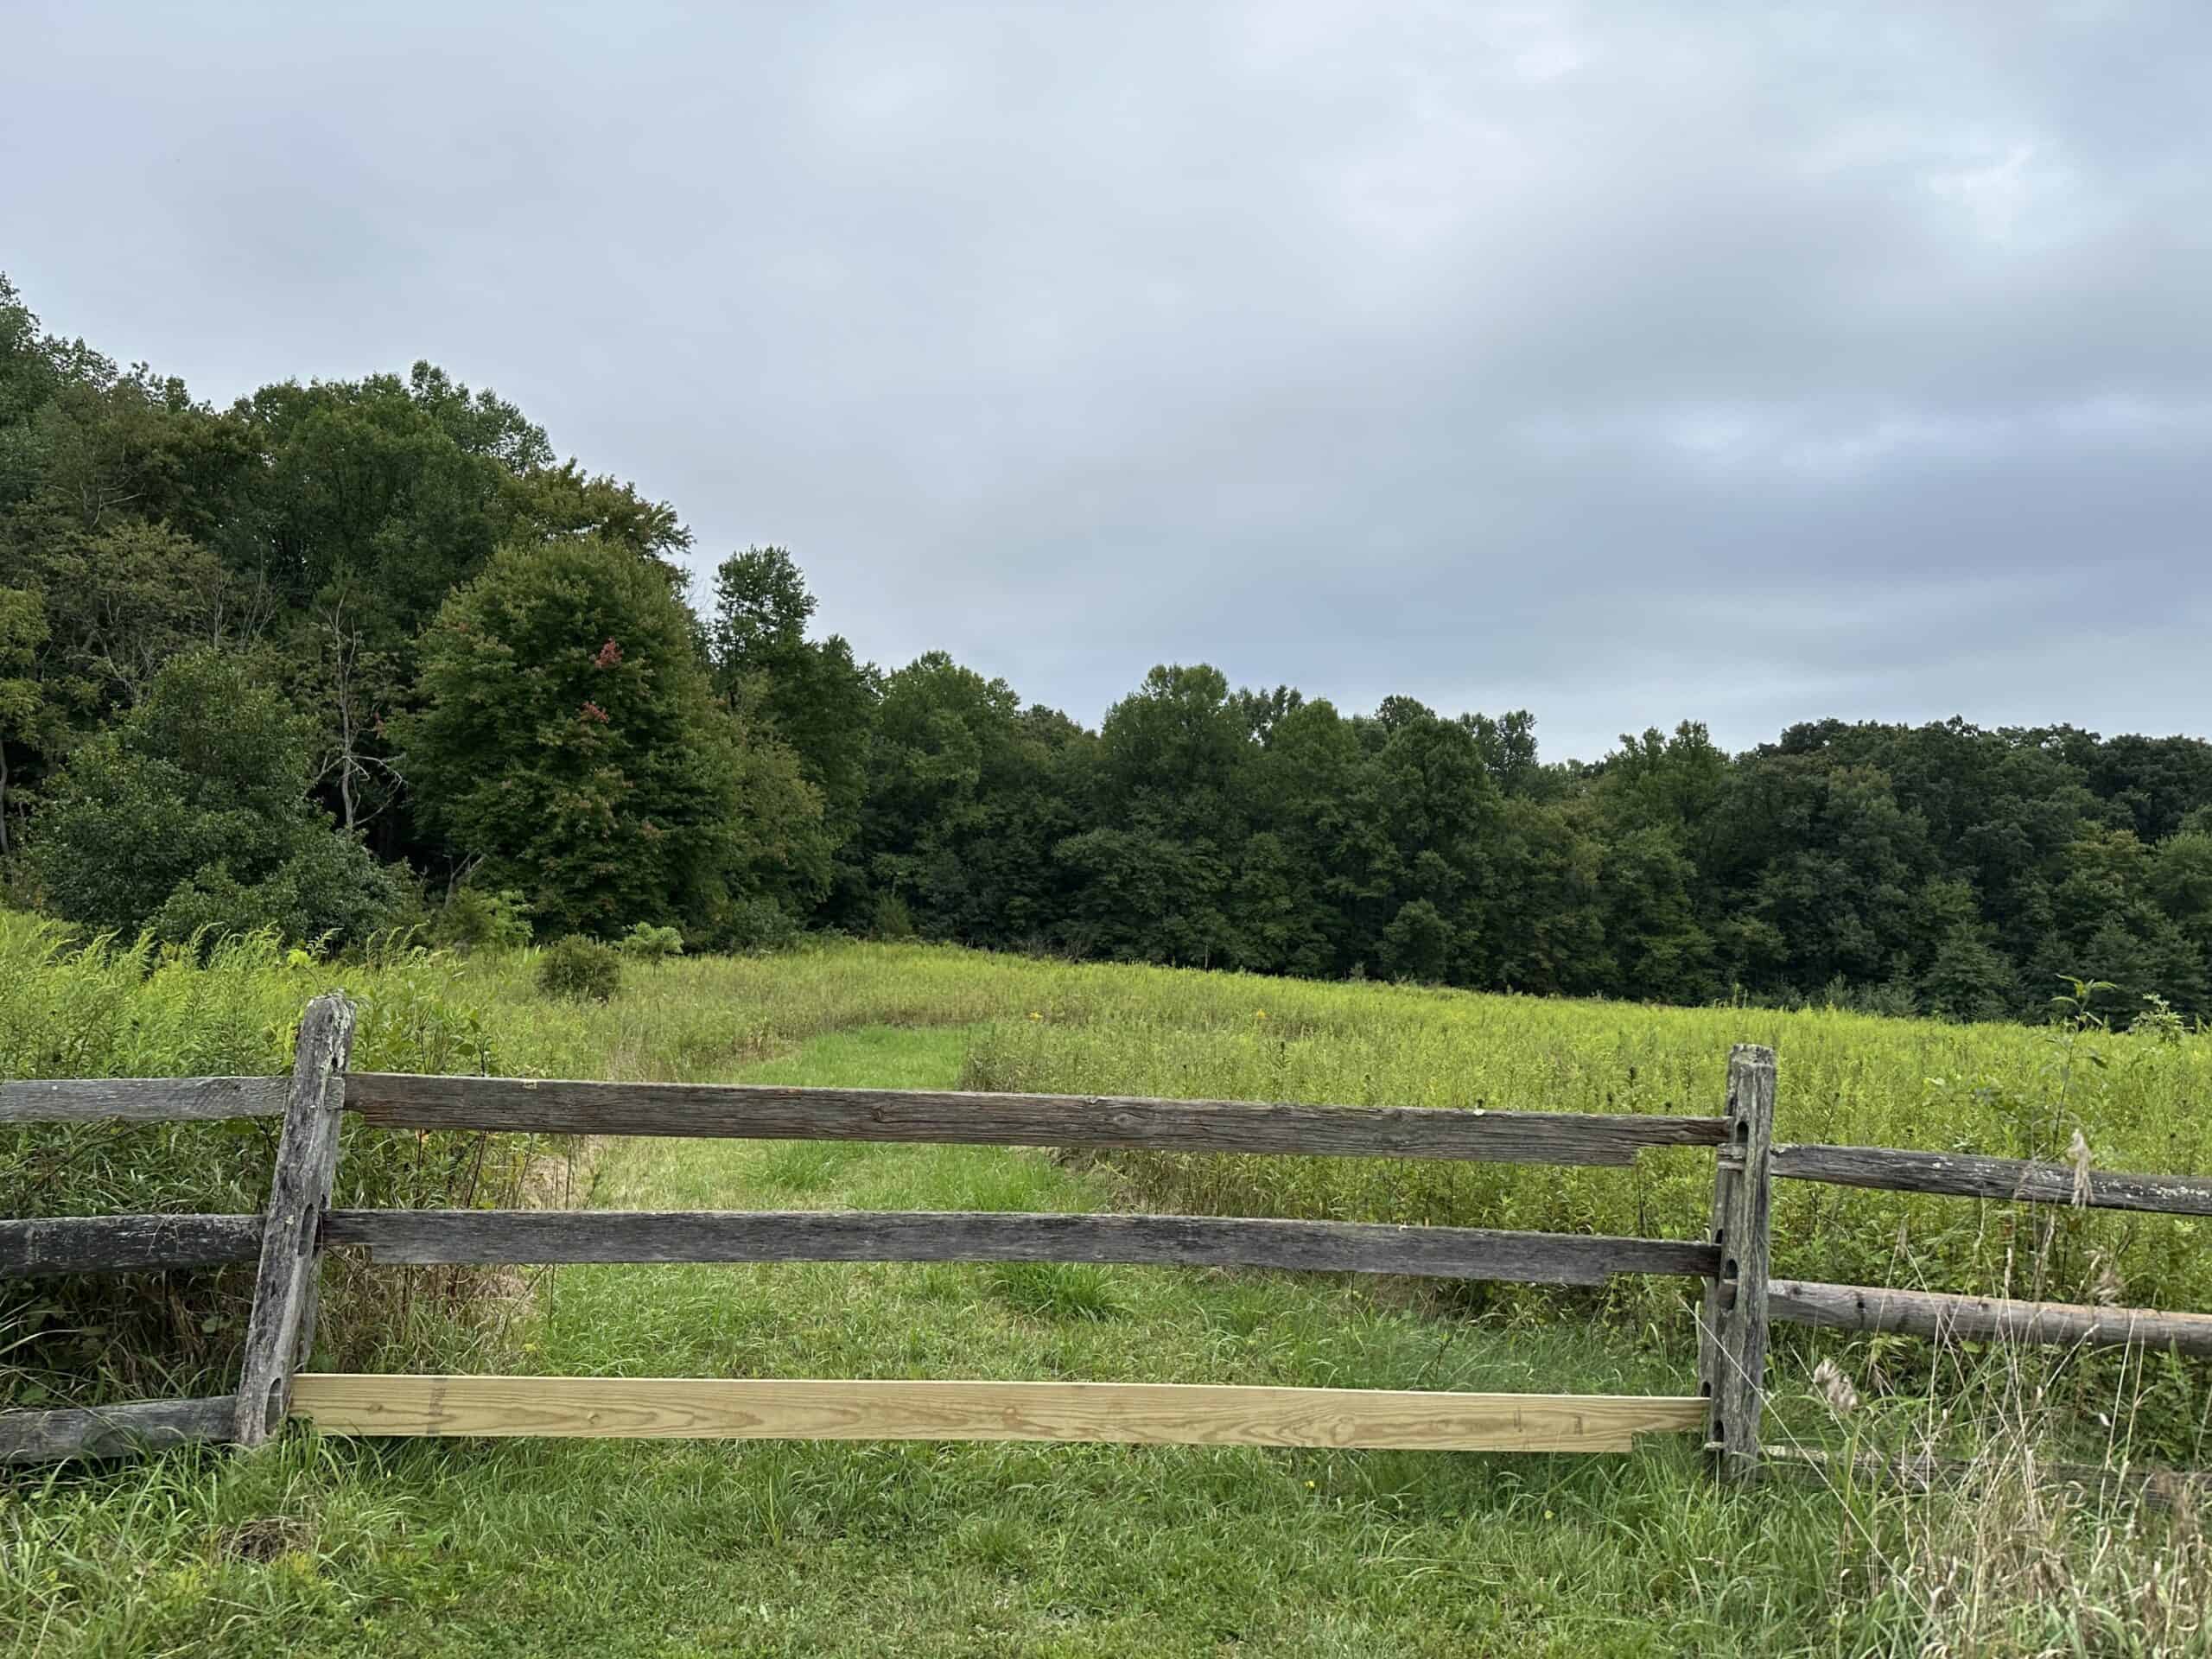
(358, 654)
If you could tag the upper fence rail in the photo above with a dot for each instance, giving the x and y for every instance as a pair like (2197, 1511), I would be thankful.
(141, 1100)
(755, 1111)
(773, 1112)
(770, 1112)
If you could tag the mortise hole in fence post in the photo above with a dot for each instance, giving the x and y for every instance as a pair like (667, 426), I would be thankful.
(1732, 1327)
(282, 1321)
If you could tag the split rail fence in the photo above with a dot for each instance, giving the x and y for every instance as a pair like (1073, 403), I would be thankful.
(298, 1222)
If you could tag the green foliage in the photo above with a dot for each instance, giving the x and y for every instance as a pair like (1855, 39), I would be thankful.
(329, 1545)
(758, 925)
(580, 968)
(809, 695)
(191, 814)
(648, 944)
(486, 918)
(27, 717)
(100, 1010)
(1968, 979)
(570, 736)
(756, 775)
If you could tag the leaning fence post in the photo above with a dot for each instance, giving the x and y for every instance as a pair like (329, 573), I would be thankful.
(283, 1323)
(1731, 1333)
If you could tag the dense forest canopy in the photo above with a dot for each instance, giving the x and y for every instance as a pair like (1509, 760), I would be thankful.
(352, 654)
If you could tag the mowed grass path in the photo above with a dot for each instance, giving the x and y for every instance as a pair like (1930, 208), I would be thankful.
(676, 1548)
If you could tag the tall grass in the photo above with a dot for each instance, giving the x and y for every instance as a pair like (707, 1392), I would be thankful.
(1321, 1551)
(101, 1009)
(2136, 1100)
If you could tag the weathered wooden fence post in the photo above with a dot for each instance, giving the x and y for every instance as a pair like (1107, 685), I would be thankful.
(1731, 1333)
(282, 1324)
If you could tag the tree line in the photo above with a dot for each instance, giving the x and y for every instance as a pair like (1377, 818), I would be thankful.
(361, 653)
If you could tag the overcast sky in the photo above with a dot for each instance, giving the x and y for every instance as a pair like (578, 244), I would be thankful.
(1625, 363)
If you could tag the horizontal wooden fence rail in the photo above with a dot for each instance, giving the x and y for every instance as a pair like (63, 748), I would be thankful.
(125, 1243)
(490, 1237)
(1985, 1318)
(1143, 1413)
(1970, 1175)
(141, 1100)
(112, 1431)
(483, 1237)
(773, 1112)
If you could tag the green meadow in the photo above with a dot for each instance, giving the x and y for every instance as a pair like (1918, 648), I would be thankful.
(691, 1549)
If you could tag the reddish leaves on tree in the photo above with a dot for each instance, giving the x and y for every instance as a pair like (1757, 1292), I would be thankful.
(592, 711)
(609, 654)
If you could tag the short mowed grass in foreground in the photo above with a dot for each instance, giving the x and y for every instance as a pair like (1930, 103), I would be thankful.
(680, 1548)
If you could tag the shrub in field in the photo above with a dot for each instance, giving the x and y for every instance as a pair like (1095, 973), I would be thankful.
(580, 968)
(645, 943)
(475, 918)
(758, 925)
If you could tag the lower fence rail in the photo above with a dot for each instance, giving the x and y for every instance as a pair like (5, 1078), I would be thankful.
(1143, 1413)
(1945, 1316)
(119, 1431)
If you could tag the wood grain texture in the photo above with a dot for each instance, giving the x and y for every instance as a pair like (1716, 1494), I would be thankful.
(773, 1112)
(112, 1431)
(1146, 1413)
(140, 1100)
(1732, 1331)
(124, 1244)
(1970, 1175)
(282, 1327)
(1986, 1318)
(465, 1237)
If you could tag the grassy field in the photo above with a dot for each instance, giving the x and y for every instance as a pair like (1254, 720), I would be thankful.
(676, 1548)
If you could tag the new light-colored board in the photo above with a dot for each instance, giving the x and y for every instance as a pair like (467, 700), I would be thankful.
(1143, 1413)
(774, 1112)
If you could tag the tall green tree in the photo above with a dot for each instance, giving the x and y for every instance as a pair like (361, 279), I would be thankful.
(569, 743)
(810, 693)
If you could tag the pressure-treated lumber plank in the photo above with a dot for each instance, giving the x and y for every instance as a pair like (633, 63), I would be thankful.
(1154, 1413)
(282, 1327)
(1985, 1318)
(140, 1100)
(112, 1431)
(479, 1236)
(124, 1244)
(1733, 1332)
(774, 1112)
(1970, 1175)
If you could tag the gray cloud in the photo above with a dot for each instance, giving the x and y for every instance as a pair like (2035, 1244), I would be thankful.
(1629, 362)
